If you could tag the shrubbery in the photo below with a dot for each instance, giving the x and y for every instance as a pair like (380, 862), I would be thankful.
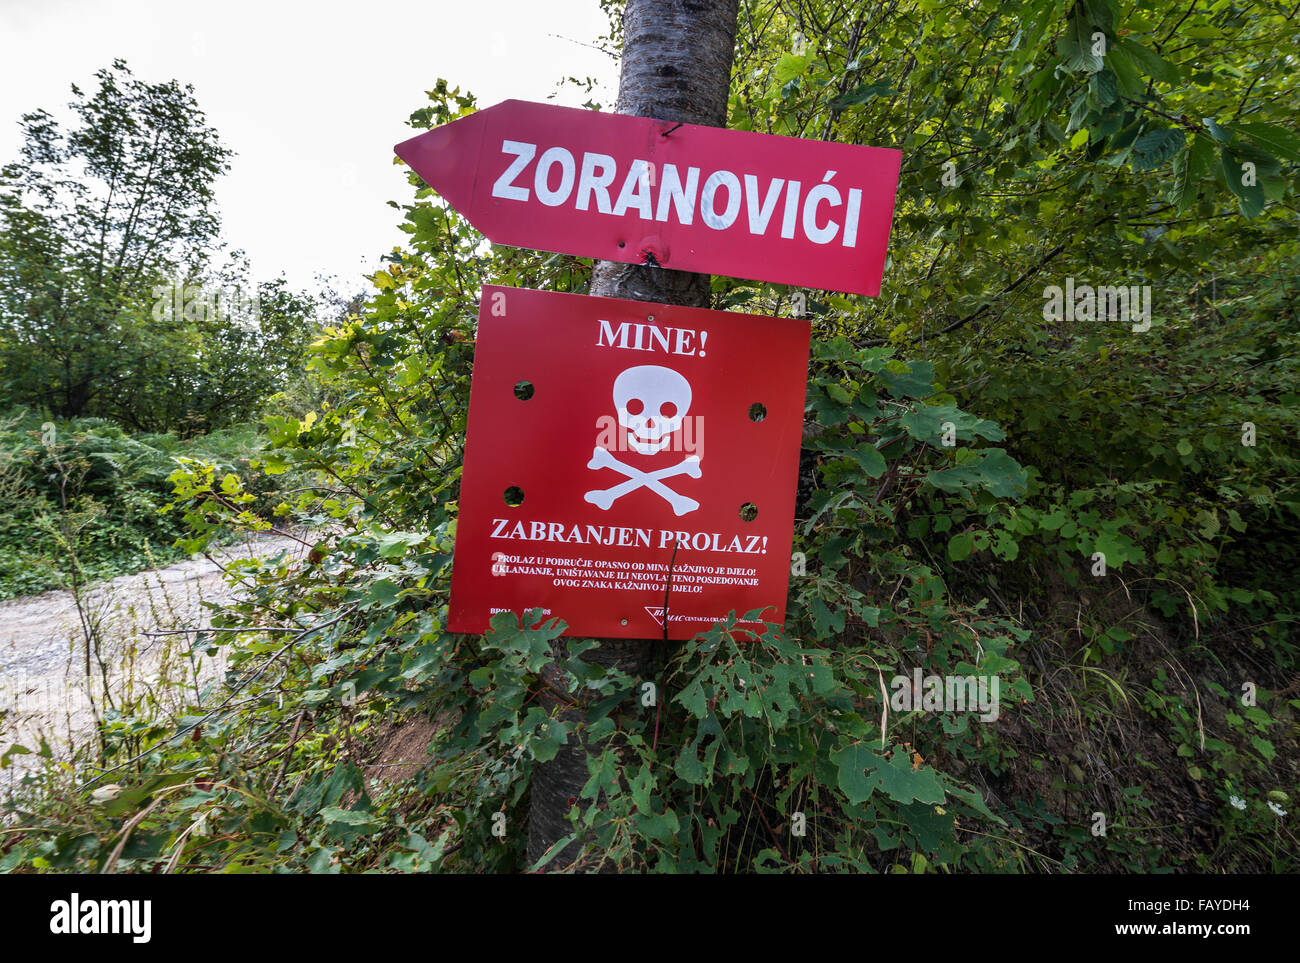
(88, 499)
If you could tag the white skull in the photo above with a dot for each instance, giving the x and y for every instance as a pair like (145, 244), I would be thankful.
(651, 402)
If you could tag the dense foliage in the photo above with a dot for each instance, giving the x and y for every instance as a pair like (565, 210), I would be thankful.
(1079, 440)
(83, 500)
(111, 305)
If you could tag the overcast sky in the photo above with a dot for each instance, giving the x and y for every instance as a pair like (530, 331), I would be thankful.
(312, 96)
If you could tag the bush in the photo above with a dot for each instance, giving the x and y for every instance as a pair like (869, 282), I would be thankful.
(89, 500)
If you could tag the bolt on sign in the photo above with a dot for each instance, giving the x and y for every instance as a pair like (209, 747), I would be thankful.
(629, 466)
(643, 191)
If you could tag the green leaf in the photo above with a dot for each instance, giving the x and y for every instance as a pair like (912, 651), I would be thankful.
(1128, 79)
(1105, 86)
(661, 827)
(529, 638)
(826, 621)
(1219, 133)
(640, 786)
(872, 461)
(960, 545)
(1190, 167)
(322, 861)
(1274, 187)
(384, 592)
(915, 382)
(995, 471)
(862, 95)
(1149, 62)
(924, 422)
(1076, 44)
(863, 770)
(348, 824)
(1053, 521)
(1272, 138)
(691, 768)
(1251, 196)
(133, 798)
(395, 544)
(550, 740)
(790, 66)
(931, 825)
(1155, 147)
(1264, 747)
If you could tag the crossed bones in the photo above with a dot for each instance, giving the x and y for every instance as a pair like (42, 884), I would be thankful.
(603, 498)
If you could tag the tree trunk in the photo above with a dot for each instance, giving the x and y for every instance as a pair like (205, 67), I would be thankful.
(677, 68)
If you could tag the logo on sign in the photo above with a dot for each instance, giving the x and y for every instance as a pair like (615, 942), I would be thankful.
(652, 402)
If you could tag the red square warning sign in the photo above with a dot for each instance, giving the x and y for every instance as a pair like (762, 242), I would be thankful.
(628, 464)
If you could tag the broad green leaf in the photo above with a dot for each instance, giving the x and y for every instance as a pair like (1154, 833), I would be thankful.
(1128, 79)
(1155, 147)
(790, 66)
(862, 95)
(995, 471)
(960, 545)
(863, 770)
(1272, 138)
(1150, 62)
(1235, 176)
(916, 382)
(1190, 167)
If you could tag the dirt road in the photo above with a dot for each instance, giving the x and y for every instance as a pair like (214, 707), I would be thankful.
(43, 641)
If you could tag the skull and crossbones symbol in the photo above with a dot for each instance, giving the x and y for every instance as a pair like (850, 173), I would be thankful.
(651, 401)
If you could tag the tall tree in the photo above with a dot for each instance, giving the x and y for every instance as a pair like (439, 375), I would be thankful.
(676, 67)
(91, 218)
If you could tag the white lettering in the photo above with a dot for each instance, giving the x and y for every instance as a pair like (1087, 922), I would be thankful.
(791, 209)
(505, 186)
(590, 182)
(708, 210)
(636, 191)
(822, 192)
(542, 180)
(851, 217)
(682, 197)
(760, 214)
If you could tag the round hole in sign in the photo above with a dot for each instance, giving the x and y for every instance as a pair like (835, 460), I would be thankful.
(748, 512)
(757, 411)
(524, 390)
(622, 243)
(514, 496)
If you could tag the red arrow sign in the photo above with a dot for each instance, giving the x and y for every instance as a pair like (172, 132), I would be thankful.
(633, 189)
(630, 467)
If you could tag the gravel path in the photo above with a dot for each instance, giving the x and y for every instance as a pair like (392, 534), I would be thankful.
(42, 641)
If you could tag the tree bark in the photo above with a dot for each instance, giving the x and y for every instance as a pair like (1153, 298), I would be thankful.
(676, 67)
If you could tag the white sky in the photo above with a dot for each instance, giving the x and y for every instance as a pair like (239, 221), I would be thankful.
(312, 96)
